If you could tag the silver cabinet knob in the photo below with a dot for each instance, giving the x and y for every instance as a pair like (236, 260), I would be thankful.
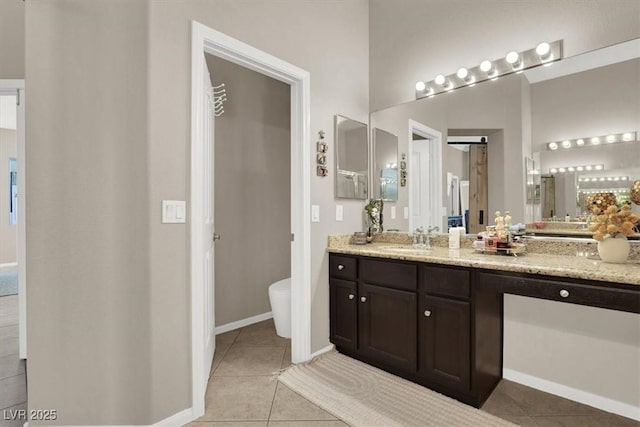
(363, 299)
(564, 293)
(351, 296)
(216, 236)
(340, 267)
(427, 313)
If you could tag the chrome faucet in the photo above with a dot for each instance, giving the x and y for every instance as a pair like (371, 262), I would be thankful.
(422, 239)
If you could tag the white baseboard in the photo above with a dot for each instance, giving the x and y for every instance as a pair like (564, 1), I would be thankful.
(600, 402)
(242, 323)
(322, 350)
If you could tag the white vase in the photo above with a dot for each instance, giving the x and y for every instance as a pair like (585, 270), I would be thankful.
(614, 249)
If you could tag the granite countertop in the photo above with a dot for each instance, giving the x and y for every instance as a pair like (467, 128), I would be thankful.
(578, 267)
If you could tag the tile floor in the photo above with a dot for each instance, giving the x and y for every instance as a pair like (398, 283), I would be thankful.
(242, 391)
(13, 383)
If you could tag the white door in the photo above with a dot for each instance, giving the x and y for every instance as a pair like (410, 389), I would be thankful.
(209, 230)
(420, 186)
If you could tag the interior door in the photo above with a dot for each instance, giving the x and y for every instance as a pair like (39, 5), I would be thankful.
(420, 214)
(478, 188)
(208, 220)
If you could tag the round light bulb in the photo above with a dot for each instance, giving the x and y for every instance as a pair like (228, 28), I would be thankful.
(553, 170)
(563, 170)
(580, 142)
(462, 73)
(589, 167)
(579, 168)
(486, 66)
(617, 178)
(609, 179)
(599, 167)
(512, 57)
(602, 179)
(571, 169)
(543, 50)
(627, 136)
(440, 79)
(611, 138)
(594, 179)
(420, 86)
(595, 140)
(566, 144)
(624, 178)
(553, 146)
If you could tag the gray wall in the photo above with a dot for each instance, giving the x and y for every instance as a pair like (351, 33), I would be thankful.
(8, 232)
(252, 190)
(12, 34)
(109, 309)
(90, 291)
(415, 40)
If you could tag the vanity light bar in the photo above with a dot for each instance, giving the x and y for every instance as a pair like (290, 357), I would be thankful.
(613, 190)
(587, 168)
(514, 62)
(592, 140)
(603, 178)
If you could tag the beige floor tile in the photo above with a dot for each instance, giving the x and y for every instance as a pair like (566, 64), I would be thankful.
(250, 361)
(538, 403)
(262, 334)
(13, 391)
(228, 424)
(239, 399)
(336, 423)
(224, 341)
(11, 366)
(500, 404)
(585, 421)
(286, 360)
(288, 405)
(520, 421)
(9, 417)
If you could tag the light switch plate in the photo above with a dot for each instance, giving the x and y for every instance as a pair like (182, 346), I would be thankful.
(393, 212)
(315, 213)
(174, 211)
(406, 212)
(339, 212)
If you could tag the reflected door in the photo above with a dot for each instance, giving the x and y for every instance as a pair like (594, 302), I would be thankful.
(478, 188)
(420, 214)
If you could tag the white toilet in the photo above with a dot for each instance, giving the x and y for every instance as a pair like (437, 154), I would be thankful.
(280, 299)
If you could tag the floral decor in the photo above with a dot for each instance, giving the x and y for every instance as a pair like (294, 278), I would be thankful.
(612, 221)
(374, 215)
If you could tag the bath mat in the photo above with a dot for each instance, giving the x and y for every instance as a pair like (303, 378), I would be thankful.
(362, 395)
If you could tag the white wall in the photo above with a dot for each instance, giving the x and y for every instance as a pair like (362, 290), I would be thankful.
(415, 40)
(12, 39)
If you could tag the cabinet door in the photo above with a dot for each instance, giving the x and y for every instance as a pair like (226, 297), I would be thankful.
(387, 326)
(343, 305)
(445, 355)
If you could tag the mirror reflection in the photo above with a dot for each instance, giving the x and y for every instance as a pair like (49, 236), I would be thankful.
(385, 171)
(351, 140)
(521, 114)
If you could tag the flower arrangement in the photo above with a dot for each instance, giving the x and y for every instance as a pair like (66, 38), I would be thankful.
(374, 215)
(613, 221)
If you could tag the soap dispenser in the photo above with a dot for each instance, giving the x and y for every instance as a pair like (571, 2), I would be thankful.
(567, 218)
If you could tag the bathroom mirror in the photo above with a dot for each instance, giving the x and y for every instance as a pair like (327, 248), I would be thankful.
(527, 111)
(352, 154)
(385, 169)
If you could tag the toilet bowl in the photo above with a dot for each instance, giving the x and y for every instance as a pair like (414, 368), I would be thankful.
(280, 299)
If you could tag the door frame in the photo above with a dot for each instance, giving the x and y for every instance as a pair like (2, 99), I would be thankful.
(207, 40)
(435, 171)
(11, 87)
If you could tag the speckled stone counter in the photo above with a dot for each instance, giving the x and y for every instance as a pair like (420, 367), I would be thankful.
(567, 265)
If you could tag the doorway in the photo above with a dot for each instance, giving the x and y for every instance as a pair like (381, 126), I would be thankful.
(425, 182)
(208, 41)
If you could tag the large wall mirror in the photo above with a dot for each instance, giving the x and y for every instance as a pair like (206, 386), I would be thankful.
(576, 98)
(352, 155)
(385, 165)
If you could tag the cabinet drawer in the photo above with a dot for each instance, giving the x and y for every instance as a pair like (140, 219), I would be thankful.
(343, 267)
(576, 293)
(389, 273)
(446, 281)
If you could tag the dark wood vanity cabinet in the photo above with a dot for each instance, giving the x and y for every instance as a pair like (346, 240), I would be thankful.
(412, 319)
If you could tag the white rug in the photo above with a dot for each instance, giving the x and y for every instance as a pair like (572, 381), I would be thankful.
(362, 395)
